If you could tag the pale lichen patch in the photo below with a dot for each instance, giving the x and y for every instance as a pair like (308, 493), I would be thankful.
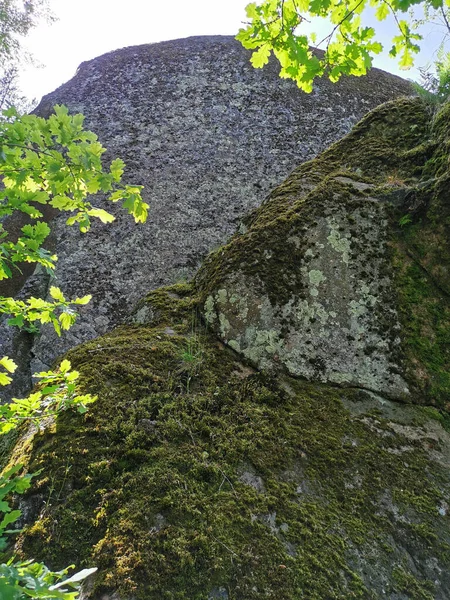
(224, 325)
(338, 242)
(209, 310)
(316, 277)
(222, 296)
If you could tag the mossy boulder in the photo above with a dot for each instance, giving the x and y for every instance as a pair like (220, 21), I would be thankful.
(209, 469)
(196, 477)
(208, 136)
(342, 276)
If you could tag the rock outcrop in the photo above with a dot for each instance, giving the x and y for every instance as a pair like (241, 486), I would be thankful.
(208, 136)
(310, 285)
(219, 461)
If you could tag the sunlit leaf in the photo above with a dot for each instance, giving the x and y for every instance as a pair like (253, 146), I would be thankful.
(8, 363)
(103, 215)
(75, 578)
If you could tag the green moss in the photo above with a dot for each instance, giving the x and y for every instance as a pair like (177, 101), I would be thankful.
(437, 164)
(150, 485)
(443, 417)
(193, 473)
(385, 156)
(407, 583)
(386, 140)
(272, 250)
(168, 304)
(422, 262)
(441, 123)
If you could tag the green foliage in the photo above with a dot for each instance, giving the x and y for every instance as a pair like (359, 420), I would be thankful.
(9, 366)
(57, 392)
(26, 312)
(52, 162)
(10, 483)
(442, 89)
(56, 163)
(405, 220)
(192, 356)
(33, 580)
(435, 84)
(276, 26)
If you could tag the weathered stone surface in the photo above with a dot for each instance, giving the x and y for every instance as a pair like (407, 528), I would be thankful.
(195, 476)
(208, 136)
(340, 324)
(308, 285)
(246, 487)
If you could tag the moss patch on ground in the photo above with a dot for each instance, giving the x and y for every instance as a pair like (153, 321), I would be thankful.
(193, 475)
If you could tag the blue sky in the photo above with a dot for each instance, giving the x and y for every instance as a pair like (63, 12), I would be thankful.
(87, 28)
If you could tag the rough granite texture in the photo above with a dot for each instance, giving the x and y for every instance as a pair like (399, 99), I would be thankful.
(208, 470)
(208, 136)
(338, 324)
(311, 284)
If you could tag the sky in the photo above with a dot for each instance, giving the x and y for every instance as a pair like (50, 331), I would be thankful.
(85, 29)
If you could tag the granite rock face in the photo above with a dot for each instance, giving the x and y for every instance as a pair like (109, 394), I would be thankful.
(312, 285)
(208, 136)
(333, 320)
(210, 469)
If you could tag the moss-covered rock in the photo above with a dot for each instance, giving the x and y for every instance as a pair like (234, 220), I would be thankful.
(208, 136)
(320, 283)
(196, 476)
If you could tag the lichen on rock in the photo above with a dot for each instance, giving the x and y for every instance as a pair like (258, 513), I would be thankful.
(246, 442)
(208, 136)
(319, 263)
(198, 479)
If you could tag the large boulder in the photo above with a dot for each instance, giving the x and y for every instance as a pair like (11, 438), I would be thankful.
(212, 468)
(332, 279)
(208, 136)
